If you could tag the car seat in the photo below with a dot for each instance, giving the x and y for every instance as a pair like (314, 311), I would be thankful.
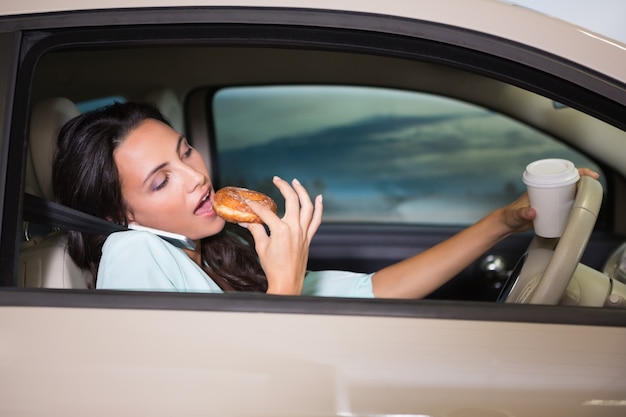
(43, 260)
(169, 105)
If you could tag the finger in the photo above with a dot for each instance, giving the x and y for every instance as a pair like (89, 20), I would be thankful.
(316, 221)
(259, 235)
(589, 173)
(306, 205)
(292, 201)
(266, 215)
(524, 210)
(527, 213)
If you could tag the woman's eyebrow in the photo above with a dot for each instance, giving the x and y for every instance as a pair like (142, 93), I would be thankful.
(159, 167)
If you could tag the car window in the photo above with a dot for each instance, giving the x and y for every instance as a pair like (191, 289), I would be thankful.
(96, 103)
(377, 154)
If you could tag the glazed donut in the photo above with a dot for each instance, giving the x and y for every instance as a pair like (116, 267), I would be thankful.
(230, 204)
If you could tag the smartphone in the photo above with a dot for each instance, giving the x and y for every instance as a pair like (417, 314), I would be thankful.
(175, 239)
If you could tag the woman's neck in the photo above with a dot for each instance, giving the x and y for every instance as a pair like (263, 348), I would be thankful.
(195, 254)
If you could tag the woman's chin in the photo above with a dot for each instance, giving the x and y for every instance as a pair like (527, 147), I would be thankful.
(216, 226)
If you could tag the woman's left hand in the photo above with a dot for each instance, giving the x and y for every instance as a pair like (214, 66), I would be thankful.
(518, 215)
(284, 252)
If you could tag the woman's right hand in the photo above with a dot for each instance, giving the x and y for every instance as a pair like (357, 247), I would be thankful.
(284, 252)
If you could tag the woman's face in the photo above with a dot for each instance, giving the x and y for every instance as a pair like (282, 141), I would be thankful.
(165, 182)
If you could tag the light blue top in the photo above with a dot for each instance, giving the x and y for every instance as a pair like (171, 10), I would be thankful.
(138, 260)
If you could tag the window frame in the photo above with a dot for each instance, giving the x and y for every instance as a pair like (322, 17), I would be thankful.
(333, 30)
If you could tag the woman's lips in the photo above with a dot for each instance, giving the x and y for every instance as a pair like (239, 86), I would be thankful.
(205, 207)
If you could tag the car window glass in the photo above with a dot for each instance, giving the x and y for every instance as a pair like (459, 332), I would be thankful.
(99, 102)
(378, 155)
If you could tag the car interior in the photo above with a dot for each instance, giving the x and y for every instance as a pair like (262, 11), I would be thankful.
(65, 76)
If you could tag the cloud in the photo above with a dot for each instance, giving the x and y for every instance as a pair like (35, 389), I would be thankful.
(254, 115)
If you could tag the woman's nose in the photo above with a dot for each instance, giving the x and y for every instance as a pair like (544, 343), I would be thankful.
(194, 178)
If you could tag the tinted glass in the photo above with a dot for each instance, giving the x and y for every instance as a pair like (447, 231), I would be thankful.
(378, 155)
(88, 105)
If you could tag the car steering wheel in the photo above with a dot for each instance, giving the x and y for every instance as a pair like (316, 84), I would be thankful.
(544, 271)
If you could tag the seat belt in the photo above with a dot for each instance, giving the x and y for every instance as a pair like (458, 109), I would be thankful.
(42, 211)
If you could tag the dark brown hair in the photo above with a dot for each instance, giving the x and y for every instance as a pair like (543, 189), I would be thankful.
(85, 177)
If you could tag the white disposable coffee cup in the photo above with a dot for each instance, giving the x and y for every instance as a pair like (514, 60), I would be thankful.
(551, 185)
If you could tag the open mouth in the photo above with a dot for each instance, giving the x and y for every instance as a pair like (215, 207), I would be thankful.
(205, 206)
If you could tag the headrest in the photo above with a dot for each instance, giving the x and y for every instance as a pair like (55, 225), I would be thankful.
(47, 118)
(169, 105)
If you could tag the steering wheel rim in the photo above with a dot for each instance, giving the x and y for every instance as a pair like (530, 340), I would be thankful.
(546, 268)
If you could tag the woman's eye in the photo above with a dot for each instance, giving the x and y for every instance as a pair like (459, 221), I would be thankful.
(187, 152)
(160, 183)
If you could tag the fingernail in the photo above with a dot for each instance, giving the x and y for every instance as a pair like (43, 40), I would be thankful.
(276, 178)
(295, 181)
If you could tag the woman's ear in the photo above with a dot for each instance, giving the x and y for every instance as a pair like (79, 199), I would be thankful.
(129, 218)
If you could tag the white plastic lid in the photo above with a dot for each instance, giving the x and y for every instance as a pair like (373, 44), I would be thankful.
(550, 173)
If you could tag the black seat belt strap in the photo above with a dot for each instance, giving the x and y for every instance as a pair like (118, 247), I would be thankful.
(42, 211)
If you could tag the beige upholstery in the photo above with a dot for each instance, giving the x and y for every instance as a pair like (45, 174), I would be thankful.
(47, 118)
(44, 261)
(169, 105)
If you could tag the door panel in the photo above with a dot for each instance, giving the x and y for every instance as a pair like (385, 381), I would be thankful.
(193, 361)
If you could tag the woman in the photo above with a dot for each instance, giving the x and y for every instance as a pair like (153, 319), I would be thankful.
(126, 164)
